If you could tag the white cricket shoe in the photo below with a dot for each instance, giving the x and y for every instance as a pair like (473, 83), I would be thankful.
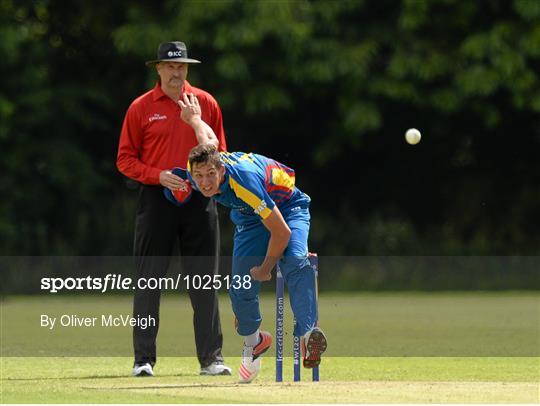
(251, 358)
(143, 370)
(249, 368)
(216, 368)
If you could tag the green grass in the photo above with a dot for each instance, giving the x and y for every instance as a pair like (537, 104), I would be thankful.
(384, 348)
(358, 325)
(343, 380)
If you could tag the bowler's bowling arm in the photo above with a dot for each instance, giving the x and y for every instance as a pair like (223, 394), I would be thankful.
(191, 114)
(203, 132)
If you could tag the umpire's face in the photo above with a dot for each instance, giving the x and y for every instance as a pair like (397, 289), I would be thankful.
(208, 178)
(172, 74)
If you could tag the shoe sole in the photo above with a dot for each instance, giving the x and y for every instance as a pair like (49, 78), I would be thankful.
(224, 372)
(142, 374)
(263, 351)
(315, 347)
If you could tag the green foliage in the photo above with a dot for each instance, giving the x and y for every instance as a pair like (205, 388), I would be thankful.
(328, 87)
(529, 10)
(51, 134)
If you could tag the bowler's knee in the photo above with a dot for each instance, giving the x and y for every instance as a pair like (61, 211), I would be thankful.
(294, 263)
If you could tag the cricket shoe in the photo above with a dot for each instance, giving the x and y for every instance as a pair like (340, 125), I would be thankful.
(216, 368)
(142, 370)
(313, 345)
(265, 342)
(251, 358)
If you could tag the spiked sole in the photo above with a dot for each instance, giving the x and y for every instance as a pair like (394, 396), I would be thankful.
(315, 346)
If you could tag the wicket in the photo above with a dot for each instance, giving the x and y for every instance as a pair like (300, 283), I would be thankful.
(280, 312)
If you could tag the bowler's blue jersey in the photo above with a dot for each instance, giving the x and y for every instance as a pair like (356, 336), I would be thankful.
(255, 184)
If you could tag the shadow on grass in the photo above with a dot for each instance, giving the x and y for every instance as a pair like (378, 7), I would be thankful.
(203, 385)
(72, 378)
(168, 386)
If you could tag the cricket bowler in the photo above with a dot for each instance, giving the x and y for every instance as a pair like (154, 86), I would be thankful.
(272, 222)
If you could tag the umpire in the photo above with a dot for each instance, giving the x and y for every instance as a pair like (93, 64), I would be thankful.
(154, 140)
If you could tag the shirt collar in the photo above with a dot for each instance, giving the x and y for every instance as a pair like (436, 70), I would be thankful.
(187, 87)
(157, 91)
(225, 185)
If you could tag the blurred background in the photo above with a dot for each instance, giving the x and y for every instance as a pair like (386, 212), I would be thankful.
(326, 87)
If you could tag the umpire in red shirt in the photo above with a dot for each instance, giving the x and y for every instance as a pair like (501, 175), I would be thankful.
(154, 139)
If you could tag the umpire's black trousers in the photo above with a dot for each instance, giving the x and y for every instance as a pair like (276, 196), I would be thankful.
(158, 226)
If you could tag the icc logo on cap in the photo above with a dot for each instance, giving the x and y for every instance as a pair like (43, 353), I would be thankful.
(174, 53)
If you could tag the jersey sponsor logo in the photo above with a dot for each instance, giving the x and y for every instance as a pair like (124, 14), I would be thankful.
(157, 116)
(261, 207)
(174, 53)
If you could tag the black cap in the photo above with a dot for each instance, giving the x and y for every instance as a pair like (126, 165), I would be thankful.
(175, 51)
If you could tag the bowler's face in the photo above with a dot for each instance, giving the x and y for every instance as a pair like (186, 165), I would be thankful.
(208, 178)
(172, 74)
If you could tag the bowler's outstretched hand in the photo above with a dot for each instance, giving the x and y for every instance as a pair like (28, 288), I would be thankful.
(191, 110)
(191, 114)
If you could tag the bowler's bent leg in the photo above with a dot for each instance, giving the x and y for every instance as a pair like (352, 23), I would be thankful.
(298, 272)
(250, 245)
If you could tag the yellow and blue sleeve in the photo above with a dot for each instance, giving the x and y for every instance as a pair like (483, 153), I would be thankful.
(253, 193)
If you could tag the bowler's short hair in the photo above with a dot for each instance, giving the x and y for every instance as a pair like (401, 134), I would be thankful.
(204, 154)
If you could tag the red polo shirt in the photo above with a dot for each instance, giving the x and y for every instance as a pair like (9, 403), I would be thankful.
(154, 137)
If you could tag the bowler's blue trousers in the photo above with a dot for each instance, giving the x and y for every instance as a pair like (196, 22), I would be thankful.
(250, 245)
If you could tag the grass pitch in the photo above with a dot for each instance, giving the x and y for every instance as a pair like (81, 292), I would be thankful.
(343, 380)
(384, 348)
